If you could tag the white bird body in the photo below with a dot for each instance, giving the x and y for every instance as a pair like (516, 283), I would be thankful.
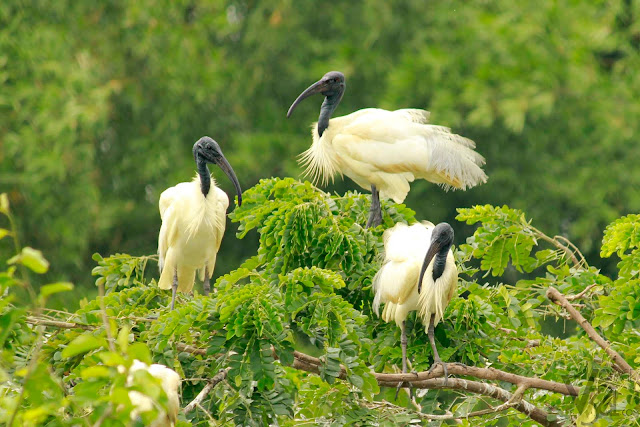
(396, 283)
(390, 149)
(408, 252)
(191, 232)
(170, 382)
(193, 222)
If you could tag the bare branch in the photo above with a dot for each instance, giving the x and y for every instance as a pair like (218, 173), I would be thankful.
(619, 363)
(481, 373)
(533, 412)
(221, 375)
(575, 249)
(554, 241)
(60, 325)
(312, 364)
(516, 397)
(581, 294)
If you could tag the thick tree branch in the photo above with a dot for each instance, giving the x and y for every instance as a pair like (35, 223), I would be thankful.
(619, 363)
(419, 380)
(481, 373)
(533, 412)
(312, 364)
(515, 398)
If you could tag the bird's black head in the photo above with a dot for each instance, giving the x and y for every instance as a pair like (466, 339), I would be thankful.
(206, 150)
(332, 83)
(331, 86)
(441, 241)
(442, 236)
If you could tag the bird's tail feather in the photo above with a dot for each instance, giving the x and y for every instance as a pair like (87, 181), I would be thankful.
(458, 165)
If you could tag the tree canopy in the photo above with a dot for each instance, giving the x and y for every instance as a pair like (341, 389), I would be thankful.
(102, 104)
(289, 336)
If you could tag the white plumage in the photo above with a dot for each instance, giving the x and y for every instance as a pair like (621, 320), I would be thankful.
(390, 149)
(193, 223)
(191, 232)
(170, 383)
(406, 250)
(385, 150)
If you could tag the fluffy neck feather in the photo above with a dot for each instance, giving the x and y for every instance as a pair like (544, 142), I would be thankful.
(319, 160)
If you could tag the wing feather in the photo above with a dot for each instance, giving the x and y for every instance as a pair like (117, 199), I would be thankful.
(391, 142)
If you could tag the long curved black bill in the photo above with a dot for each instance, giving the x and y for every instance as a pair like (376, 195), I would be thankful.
(433, 250)
(317, 87)
(228, 170)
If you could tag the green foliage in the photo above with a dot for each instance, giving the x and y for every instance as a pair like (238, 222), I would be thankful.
(95, 124)
(504, 236)
(621, 305)
(308, 289)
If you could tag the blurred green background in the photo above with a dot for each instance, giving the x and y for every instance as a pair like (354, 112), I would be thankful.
(101, 102)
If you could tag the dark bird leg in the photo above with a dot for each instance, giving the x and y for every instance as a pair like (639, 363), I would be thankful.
(174, 289)
(436, 356)
(403, 344)
(206, 284)
(375, 212)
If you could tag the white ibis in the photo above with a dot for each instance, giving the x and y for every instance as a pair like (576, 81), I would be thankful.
(170, 383)
(385, 150)
(193, 222)
(418, 273)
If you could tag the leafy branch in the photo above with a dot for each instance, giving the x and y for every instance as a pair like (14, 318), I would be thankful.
(620, 364)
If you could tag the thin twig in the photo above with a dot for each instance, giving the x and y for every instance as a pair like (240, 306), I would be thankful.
(558, 245)
(221, 375)
(103, 417)
(619, 363)
(581, 294)
(574, 248)
(57, 324)
(530, 343)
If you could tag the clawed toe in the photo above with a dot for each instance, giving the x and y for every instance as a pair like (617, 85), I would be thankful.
(444, 368)
(398, 389)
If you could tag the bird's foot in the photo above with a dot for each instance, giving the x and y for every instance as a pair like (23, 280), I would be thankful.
(444, 368)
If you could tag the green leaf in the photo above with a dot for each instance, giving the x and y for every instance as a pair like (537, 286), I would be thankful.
(55, 288)
(97, 371)
(82, 344)
(3, 233)
(123, 338)
(32, 259)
